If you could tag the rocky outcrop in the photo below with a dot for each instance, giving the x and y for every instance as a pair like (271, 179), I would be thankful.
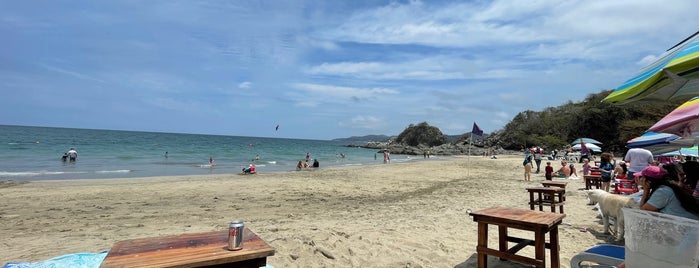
(444, 149)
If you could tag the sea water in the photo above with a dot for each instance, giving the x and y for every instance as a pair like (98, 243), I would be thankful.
(34, 153)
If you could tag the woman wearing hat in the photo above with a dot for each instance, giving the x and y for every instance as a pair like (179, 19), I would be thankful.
(661, 195)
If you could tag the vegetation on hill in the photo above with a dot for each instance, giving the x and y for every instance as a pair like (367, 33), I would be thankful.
(555, 127)
(422, 133)
(552, 128)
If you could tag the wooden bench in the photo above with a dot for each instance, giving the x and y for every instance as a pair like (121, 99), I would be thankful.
(547, 196)
(208, 249)
(538, 222)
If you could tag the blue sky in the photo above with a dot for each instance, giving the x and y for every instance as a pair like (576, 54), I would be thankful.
(319, 69)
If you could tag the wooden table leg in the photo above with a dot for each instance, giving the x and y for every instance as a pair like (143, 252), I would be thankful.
(561, 198)
(502, 239)
(553, 203)
(587, 184)
(540, 246)
(541, 201)
(555, 248)
(531, 200)
(482, 244)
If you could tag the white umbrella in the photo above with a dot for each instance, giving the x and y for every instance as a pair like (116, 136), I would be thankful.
(589, 146)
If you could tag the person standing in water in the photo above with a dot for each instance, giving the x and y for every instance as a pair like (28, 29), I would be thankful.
(72, 155)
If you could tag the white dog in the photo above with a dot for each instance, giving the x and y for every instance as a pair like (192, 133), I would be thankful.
(610, 205)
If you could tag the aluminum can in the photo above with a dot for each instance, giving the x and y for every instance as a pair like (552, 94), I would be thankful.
(235, 235)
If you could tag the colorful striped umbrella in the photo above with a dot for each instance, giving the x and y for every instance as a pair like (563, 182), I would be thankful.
(675, 76)
(683, 121)
(651, 138)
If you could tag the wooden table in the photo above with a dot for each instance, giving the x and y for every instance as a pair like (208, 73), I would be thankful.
(539, 222)
(547, 196)
(189, 250)
(592, 180)
(561, 184)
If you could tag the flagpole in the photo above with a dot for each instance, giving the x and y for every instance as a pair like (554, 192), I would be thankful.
(470, 142)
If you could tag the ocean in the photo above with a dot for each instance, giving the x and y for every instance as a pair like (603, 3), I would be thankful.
(35, 153)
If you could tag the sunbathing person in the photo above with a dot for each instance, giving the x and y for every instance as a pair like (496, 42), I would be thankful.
(564, 171)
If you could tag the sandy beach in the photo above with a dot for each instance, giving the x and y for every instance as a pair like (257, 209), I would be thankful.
(392, 215)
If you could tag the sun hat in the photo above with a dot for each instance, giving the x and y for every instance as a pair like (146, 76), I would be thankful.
(651, 172)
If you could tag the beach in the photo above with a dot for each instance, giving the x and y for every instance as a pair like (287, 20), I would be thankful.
(389, 215)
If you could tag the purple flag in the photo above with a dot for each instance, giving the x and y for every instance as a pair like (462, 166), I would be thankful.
(476, 130)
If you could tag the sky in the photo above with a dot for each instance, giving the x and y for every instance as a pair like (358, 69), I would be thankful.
(318, 69)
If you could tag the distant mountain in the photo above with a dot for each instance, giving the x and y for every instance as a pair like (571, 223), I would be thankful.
(452, 138)
(363, 139)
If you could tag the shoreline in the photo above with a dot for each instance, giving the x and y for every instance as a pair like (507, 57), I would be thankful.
(410, 214)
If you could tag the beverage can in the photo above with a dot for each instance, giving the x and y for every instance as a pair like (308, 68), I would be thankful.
(235, 235)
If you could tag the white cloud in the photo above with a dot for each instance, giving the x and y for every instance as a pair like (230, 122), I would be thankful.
(73, 74)
(245, 85)
(363, 122)
(325, 91)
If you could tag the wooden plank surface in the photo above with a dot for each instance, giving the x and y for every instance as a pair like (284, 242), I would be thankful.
(547, 190)
(518, 218)
(187, 250)
(561, 184)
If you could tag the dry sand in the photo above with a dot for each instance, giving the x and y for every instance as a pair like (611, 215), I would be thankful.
(393, 215)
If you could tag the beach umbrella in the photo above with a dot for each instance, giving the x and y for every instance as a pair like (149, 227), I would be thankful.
(692, 151)
(655, 142)
(586, 141)
(590, 146)
(675, 76)
(683, 121)
(651, 138)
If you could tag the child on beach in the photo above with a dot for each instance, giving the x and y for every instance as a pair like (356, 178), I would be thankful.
(548, 171)
(607, 170)
(527, 171)
(586, 167)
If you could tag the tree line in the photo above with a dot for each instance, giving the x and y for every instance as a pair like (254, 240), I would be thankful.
(557, 127)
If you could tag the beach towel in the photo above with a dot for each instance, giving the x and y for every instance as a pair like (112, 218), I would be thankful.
(75, 260)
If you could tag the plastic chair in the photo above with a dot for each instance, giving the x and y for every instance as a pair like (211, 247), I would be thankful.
(603, 255)
(625, 187)
(652, 240)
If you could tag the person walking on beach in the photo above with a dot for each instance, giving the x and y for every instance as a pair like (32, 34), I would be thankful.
(537, 158)
(72, 155)
(527, 171)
